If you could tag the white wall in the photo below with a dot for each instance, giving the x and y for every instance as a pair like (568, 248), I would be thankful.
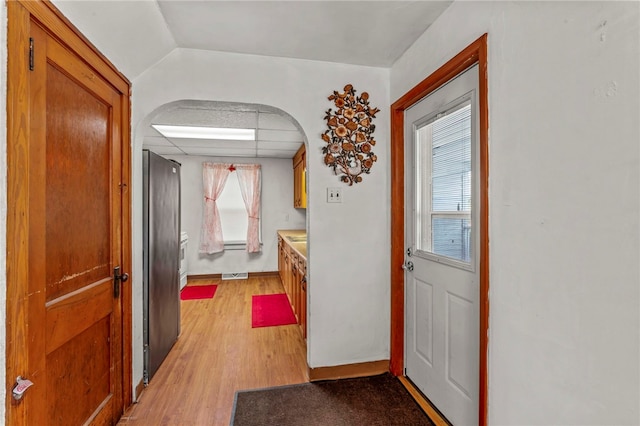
(564, 203)
(277, 213)
(348, 242)
(3, 200)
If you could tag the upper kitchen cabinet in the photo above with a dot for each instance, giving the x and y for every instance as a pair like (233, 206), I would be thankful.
(300, 179)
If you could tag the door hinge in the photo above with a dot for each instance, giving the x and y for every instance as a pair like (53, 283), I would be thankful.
(31, 60)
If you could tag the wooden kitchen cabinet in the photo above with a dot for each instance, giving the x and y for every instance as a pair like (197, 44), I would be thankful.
(292, 268)
(280, 258)
(302, 271)
(299, 179)
(298, 286)
(286, 272)
(295, 289)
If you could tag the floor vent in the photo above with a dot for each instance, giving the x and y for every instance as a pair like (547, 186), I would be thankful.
(235, 276)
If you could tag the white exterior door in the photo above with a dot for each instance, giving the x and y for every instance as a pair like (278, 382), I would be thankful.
(442, 241)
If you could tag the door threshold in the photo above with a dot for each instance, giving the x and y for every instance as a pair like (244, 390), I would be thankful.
(426, 405)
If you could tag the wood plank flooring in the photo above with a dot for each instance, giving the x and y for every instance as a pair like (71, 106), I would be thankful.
(217, 354)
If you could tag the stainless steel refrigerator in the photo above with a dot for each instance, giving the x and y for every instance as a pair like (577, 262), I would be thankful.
(161, 259)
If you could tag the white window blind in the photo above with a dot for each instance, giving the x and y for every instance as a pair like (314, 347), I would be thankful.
(444, 164)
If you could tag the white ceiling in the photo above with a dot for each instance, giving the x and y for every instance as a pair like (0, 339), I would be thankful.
(132, 34)
(373, 33)
(277, 135)
(136, 34)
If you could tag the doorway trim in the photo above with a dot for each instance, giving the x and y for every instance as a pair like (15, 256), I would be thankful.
(19, 14)
(475, 53)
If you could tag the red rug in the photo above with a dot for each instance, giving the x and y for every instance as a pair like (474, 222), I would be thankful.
(198, 292)
(271, 309)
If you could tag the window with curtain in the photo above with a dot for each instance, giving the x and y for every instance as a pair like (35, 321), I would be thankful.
(444, 153)
(231, 216)
(233, 213)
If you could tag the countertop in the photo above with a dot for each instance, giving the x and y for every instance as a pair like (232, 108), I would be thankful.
(300, 247)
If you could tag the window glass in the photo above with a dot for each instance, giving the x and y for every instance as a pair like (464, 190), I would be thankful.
(233, 213)
(443, 184)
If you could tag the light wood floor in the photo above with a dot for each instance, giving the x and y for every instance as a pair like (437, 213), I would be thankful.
(217, 354)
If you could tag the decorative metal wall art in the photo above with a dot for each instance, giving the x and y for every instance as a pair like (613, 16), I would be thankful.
(349, 135)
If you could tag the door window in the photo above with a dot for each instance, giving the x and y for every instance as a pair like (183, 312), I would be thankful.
(444, 184)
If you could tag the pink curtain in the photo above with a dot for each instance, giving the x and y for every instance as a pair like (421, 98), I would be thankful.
(214, 177)
(249, 179)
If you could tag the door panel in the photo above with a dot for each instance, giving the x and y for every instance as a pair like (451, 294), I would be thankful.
(460, 328)
(442, 293)
(88, 375)
(78, 161)
(74, 241)
(423, 335)
(69, 317)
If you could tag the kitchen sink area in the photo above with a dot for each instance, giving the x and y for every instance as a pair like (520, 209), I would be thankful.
(296, 239)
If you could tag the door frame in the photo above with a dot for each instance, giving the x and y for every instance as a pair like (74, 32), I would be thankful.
(475, 53)
(19, 14)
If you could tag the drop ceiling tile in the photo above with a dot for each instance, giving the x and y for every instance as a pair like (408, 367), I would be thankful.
(220, 152)
(275, 122)
(277, 133)
(280, 135)
(276, 153)
(152, 133)
(164, 150)
(213, 143)
(287, 146)
(208, 118)
(156, 140)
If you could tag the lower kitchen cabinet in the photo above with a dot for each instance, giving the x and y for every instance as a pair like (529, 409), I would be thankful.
(292, 268)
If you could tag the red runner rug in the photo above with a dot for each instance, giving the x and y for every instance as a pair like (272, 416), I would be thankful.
(198, 292)
(270, 310)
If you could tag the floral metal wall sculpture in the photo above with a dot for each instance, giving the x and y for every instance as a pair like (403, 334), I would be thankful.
(349, 135)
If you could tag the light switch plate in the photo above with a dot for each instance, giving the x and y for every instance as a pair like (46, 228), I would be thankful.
(334, 195)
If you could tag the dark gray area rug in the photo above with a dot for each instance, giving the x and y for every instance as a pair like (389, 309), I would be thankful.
(377, 400)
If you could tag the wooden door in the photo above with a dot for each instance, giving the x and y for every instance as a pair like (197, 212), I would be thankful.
(73, 187)
(442, 292)
(299, 179)
(303, 179)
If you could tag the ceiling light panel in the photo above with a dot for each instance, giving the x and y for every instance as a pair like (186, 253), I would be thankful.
(197, 132)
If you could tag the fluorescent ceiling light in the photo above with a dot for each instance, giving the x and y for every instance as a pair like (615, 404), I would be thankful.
(194, 132)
